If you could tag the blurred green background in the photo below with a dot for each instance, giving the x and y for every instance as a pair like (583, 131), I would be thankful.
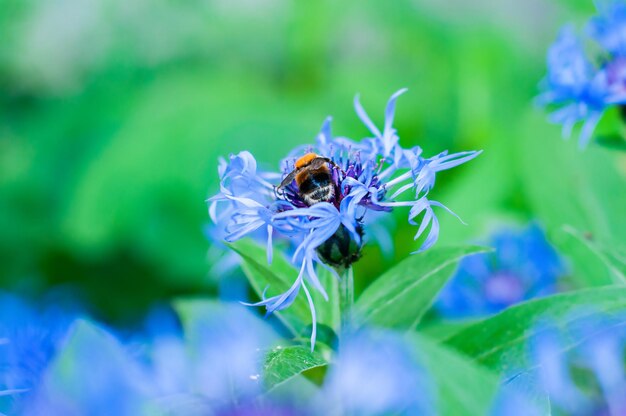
(114, 114)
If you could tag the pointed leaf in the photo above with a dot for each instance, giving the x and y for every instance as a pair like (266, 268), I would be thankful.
(284, 363)
(567, 187)
(594, 264)
(439, 330)
(328, 312)
(93, 372)
(276, 278)
(461, 386)
(400, 297)
(613, 142)
(499, 342)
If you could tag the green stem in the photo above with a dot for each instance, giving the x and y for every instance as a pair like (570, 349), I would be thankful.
(346, 296)
(346, 303)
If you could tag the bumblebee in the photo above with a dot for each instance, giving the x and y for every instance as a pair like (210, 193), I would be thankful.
(315, 184)
(313, 178)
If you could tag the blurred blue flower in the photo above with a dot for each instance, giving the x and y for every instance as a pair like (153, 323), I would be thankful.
(29, 340)
(93, 374)
(581, 88)
(523, 266)
(609, 27)
(519, 395)
(589, 379)
(373, 175)
(216, 367)
(213, 367)
(376, 372)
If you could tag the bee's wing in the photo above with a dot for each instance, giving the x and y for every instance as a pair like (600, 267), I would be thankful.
(288, 179)
(318, 162)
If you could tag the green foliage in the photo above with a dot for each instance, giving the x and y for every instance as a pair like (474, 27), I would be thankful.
(400, 297)
(477, 353)
(595, 265)
(578, 197)
(462, 387)
(499, 342)
(276, 278)
(89, 346)
(110, 135)
(283, 363)
(397, 299)
(615, 142)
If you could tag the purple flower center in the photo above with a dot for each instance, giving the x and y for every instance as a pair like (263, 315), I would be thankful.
(504, 288)
(341, 174)
(616, 76)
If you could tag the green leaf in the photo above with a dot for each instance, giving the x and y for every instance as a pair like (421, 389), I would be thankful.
(132, 154)
(595, 265)
(191, 310)
(614, 142)
(284, 363)
(328, 312)
(440, 330)
(400, 297)
(499, 342)
(91, 359)
(569, 187)
(278, 278)
(461, 386)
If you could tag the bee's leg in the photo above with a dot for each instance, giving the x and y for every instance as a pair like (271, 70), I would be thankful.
(288, 179)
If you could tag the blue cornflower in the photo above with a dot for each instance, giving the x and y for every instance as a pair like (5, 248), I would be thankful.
(325, 223)
(582, 88)
(376, 372)
(219, 359)
(29, 341)
(213, 366)
(523, 266)
(600, 358)
(93, 374)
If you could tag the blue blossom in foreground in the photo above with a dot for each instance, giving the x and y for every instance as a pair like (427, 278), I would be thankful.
(523, 266)
(92, 375)
(29, 341)
(218, 362)
(52, 363)
(377, 373)
(321, 207)
(589, 379)
(581, 88)
(519, 395)
(213, 367)
(216, 366)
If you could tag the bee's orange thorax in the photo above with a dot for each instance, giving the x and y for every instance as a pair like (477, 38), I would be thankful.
(305, 160)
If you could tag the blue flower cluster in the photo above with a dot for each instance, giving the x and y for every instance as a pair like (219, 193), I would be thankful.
(522, 266)
(600, 357)
(377, 373)
(29, 339)
(375, 174)
(580, 87)
(60, 364)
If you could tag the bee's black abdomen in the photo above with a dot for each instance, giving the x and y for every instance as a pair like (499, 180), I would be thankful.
(317, 187)
(314, 181)
(341, 250)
